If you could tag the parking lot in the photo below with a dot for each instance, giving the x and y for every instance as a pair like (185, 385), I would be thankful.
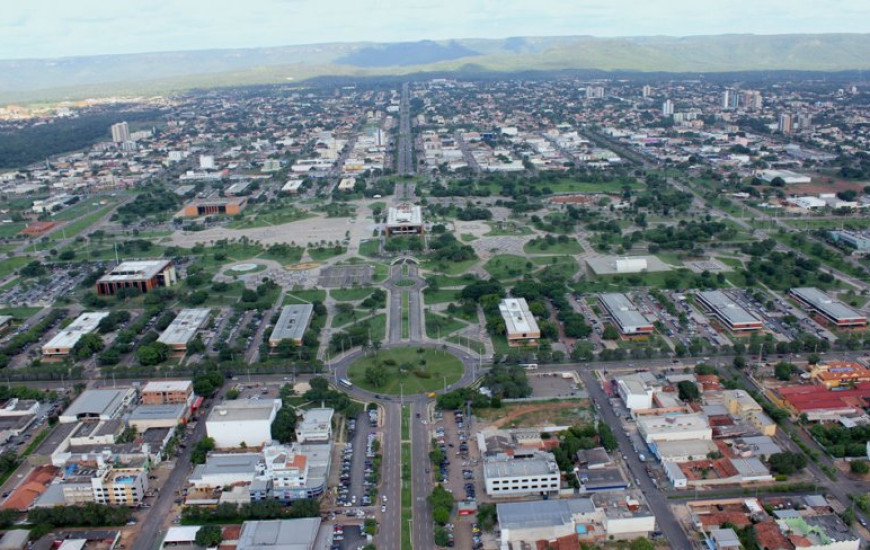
(346, 276)
(554, 385)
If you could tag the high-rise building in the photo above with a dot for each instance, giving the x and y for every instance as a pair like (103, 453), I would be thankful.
(667, 108)
(785, 123)
(804, 122)
(120, 132)
(594, 92)
(752, 100)
(647, 90)
(730, 99)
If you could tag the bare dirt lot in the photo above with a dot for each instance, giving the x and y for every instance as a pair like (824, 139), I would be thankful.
(531, 415)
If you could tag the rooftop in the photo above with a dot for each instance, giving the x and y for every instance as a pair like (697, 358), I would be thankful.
(286, 534)
(183, 328)
(156, 412)
(404, 214)
(83, 324)
(542, 513)
(292, 323)
(316, 420)
(139, 270)
(540, 464)
(672, 423)
(222, 464)
(825, 304)
(727, 308)
(623, 311)
(517, 316)
(244, 410)
(94, 403)
(161, 386)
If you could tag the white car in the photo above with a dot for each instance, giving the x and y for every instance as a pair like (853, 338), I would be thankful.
(384, 498)
(383, 507)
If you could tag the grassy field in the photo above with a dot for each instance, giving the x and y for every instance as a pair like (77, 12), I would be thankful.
(540, 246)
(304, 296)
(285, 214)
(566, 265)
(107, 252)
(568, 185)
(350, 294)
(507, 266)
(11, 229)
(439, 325)
(415, 377)
(20, 313)
(10, 265)
(320, 254)
(370, 248)
(450, 268)
(473, 345)
(406, 320)
(731, 262)
(440, 296)
(507, 228)
(407, 497)
(81, 224)
(82, 208)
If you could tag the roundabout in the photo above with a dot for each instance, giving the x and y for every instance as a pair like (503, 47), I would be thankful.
(406, 370)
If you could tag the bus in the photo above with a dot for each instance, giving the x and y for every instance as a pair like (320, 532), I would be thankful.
(529, 366)
(345, 382)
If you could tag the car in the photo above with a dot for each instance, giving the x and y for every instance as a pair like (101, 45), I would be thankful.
(383, 507)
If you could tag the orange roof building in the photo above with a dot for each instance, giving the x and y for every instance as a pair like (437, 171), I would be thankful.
(834, 374)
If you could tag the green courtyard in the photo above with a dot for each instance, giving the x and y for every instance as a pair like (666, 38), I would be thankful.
(406, 370)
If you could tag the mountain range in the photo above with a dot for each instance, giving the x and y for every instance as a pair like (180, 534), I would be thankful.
(153, 73)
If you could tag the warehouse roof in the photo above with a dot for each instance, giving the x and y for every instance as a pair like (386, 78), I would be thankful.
(727, 308)
(292, 323)
(157, 412)
(83, 324)
(825, 304)
(161, 386)
(623, 311)
(183, 328)
(280, 534)
(542, 513)
(97, 403)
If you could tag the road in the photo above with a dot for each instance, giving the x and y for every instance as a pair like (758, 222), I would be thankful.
(658, 503)
(423, 532)
(404, 154)
(390, 531)
(415, 303)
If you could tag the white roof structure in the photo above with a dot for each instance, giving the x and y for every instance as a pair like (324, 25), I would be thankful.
(517, 317)
(69, 337)
(102, 404)
(161, 386)
(5, 319)
(181, 534)
(244, 410)
(284, 534)
(347, 184)
(292, 186)
(624, 313)
(138, 270)
(183, 328)
(404, 214)
(726, 308)
(829, 307)
(674, 427)
(292, 323)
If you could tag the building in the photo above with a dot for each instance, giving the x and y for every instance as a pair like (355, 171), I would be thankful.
(828, 310)
(215, 206)
(120, 486)
(523, 524)
(165, 392)
(5, 322)
(834, 374)
(147, 417)
(507, 476)
(292, 186)
(521, 328)
(728, 312)
(315, 426)
(785, 125)
(120, 132)
(668, 108)
(860, 241)
(347, 184)
(725, 539)
(292, 324)
(98, 405)
(730, 99)
(281, 534)
(246, 421)
(51, 204)
(674, 427)
(183, 328)
(142, 275)
(224, 470)
(787, 176)
(64, 341)
(628, 319)
(635, 391)
(823, 405)
(404, 219)
(206, 162)
(630, 265)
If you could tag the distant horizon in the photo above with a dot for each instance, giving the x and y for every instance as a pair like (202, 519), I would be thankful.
(438, 40)
(45, 29)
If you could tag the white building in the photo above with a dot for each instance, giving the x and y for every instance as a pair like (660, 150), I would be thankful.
(510, 477)
(315, 426)
(64, 341)
(120, 132)
(635, 392)
(674, 427)
(98, 405)
(245, 421)
(206, 162)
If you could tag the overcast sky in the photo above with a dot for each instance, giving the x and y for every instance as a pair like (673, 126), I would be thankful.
(61, 28)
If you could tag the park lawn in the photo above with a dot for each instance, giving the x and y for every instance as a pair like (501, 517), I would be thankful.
(82, 208)
(507, 228)
(278, 216)
(507, 266)
(670, 258)
(438, 325)
(467, 237)
(565, 265)
(568, 185)
(540, 246)
(370, 248)
(440, 296)
(350, 294)
(406, 320)
(469, 343)
(450, 268)
(304, 296)
(289, 259)
(320, 254)
(446, 281)
(345, 318)
(731, 262)
(21, 313)
(423, 379)
(10, 265)
(102, 253)
(11, 229)
(81, 224)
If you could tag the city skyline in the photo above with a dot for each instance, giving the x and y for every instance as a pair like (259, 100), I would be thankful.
(42, 29)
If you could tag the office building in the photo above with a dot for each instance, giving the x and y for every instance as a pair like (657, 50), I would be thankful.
(292, 324)
(730, 99)
(785, 123)
(668, 108)
(860, 241)
(215, 206)
(734, 317)
(62, 344)
(245, 421)
(183, 328)
(674, 427)
(636, 391)
(168, 392)
(521, 328)
(120, 132)
(511, 476)
(828, 310)
(625, 315)
(404, 219)
(315, 426)
(97, 405)
(142, 275)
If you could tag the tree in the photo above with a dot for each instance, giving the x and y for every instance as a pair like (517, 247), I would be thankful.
(201, 450)
(641, 544)
(88, 345)
(487, 516)
(376, 375)
(787, 462)
(860, 467)
(284, 425)
(610, 333)
(784, 371)
(688, 391)
(232, 394)
(207, 383)
(209, 536)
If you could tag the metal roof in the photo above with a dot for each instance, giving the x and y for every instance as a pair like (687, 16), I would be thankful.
(97, 402)
(69, 337)
(623, 311)
(825, 304)
(542, 513)
(292, 323)
(726, 308)
(183, 328)
(517, 317)
(286, 534)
